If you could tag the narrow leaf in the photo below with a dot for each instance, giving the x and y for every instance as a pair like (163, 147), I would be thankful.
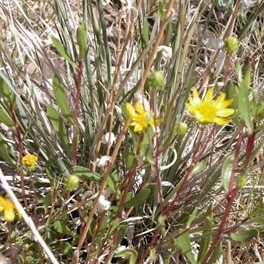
(244, 106)
(226, 172)
(4, 152)
(87, 173)
(128, 253)
(216, 254)
(58, 125)
(245, 235)
(81, 36)
(139, 199)
(62, 51)
(61, 98)
(5, 118)
(184, 243)
(206, 237)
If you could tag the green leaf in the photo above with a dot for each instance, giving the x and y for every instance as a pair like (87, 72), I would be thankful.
(62, 51)
(61, 98)
(206, 238)
(245, 235)
(8, 96)
(226, 172)
(216, 254)
(184, 243)
(199, 167)
(139, 198)
(247, 75)
(129, 158)
(128, 253)
(4, 151)
(153, 254)
(58, 125)
(87, 173)
(58, 226)
(145, 33)
(113, 182)
(81, 36)
(5, 118)
(67, 248)
(192, 217)
(161, 9)
(244, 106)
(62, 228)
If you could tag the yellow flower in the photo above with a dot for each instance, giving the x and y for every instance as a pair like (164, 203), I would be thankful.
(140, 118)
(7, 209)
(29, 161)
(208, 110)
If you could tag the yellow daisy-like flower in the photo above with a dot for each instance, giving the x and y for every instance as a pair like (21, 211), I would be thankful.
(208, 110)
(8, 209)
(140, 118)
(29, 161)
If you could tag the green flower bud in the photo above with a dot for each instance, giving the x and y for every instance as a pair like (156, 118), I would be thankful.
(181, 128)
(72, 182)
(231, 44)
(156, 80)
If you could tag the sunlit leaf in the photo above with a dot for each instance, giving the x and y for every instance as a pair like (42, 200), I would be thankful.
(226, 172)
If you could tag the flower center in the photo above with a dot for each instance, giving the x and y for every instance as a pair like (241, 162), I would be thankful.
(142, 120)
(207, 111)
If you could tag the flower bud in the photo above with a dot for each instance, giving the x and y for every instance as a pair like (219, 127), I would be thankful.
(72, 182)
(231, 44)
(181, 128)
(156, 80)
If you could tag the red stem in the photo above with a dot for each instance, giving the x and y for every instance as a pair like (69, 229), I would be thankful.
(235, 163)
(168, 210)
(10, 244)
(230, 198)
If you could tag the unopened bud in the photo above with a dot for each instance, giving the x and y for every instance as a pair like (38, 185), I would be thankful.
(156, 80)
(231, 44)
(181, 128)
(72, 182)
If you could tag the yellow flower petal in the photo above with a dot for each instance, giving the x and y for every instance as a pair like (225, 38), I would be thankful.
(208, 96)
(139, 108)
(9, 215)
(196, 98)
(130, 110)
(140, 119)
(226, 112)
(221, 121)
(208, 110)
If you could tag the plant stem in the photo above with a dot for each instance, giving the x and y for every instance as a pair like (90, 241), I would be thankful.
(235, 163)
(20, 147)
(10, 244)
(186, 177)
(232, 191)
(76, 113)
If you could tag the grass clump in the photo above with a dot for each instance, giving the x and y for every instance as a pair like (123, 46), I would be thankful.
(132, 131)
